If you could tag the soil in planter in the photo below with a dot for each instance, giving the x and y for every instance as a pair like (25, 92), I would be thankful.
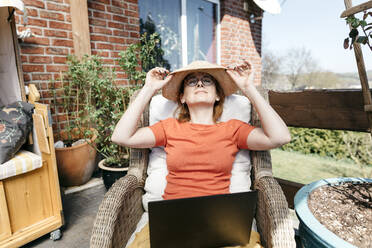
(346, 210)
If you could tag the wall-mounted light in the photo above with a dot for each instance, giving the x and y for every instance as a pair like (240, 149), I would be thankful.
(252, 16)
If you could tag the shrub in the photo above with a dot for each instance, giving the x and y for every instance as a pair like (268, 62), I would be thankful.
(332, 143)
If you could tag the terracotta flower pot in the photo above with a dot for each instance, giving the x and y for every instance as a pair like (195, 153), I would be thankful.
(77, 163)
(110, 175)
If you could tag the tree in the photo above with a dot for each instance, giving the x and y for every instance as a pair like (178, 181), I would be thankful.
(270, 69)
(297, 62)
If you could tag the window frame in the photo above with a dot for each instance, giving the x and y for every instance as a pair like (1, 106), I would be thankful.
(184, 32)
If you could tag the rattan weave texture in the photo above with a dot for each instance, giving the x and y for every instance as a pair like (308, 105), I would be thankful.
(121, 207)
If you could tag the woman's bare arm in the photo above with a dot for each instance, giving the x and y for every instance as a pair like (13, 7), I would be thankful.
(126, 132)
(274, 131)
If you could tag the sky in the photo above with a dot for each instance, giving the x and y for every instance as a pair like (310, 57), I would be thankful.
(317, 26)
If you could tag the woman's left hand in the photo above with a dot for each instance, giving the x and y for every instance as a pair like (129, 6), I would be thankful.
(242, 74)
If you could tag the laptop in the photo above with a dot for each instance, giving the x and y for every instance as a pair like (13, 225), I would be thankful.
(207, 221)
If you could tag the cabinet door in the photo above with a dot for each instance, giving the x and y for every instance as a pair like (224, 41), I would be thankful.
(4, 215)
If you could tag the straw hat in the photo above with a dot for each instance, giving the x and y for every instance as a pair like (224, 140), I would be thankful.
(171, 89)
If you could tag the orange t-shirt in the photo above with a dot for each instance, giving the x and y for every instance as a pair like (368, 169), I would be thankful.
(199, 156)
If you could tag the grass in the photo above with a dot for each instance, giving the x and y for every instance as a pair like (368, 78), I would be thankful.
(304, 169)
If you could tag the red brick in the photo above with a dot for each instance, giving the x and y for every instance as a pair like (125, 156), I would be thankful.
(31, 50)
(115, 10)
(26, 77)
(55, 33)
(59, 25)
(101, 30)
(94, 37)
(57, 51)
(37, 31)
(121, 33)
(133, 7)
(119, 3)
(102, 15)
(116, 40)
(130, 13)
(66, 43)
(108, 61)
(120, 47)
(134, 21)
(68, 18)
(115, 25)
(134, 34)
(52, 15)
(100, 53)
(36, 22)
(37, 40)
(31, 12)
(132, 27)
(33, 68)
(104, 46)
(97, 22)
(59, 60)
(120, 18)
(24, 58)
(40, 59)
(41, 76)
(96, 6)
(56, 68)
(58, 7)
(35, 3)
(103, 1)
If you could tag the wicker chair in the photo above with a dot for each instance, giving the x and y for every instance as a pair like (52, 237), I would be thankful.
(121, 207)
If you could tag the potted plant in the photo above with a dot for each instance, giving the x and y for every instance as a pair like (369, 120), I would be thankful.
(335, 212)
(74, 102)
(112, 101)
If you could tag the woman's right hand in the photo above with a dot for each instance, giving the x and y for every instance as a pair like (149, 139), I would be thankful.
(157, 77)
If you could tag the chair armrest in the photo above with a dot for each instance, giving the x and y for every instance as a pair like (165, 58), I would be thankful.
(274, 221)
(118, 214)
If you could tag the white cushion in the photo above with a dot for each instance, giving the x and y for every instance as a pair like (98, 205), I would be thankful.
(235, 107)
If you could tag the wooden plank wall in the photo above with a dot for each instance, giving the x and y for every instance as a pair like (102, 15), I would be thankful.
(80, 27)
(328, 109)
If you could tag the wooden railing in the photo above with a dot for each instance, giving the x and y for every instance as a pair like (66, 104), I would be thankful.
(327, 109)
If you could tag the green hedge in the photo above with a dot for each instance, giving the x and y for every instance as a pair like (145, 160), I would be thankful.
(332, 143)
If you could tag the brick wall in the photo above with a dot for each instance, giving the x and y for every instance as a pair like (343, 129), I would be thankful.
(113, 25)
(240, 39)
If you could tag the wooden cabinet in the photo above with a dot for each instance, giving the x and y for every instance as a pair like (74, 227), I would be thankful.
(30, 203)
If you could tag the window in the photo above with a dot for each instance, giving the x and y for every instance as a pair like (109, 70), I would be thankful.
(189, 29)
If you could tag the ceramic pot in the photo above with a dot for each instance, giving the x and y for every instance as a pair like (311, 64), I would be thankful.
(311, 231)
(110, 175)
(76, 163)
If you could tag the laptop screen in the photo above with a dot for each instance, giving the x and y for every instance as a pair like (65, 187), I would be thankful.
(207, 221)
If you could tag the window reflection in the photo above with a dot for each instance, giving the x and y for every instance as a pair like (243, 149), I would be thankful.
(163, 17)
(201, 30)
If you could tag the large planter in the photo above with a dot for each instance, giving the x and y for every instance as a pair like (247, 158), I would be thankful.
(76, 163)
(311, 231)
(110, 175)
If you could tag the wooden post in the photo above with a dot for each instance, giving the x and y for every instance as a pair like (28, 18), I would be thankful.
(80, 27)
(362, 73)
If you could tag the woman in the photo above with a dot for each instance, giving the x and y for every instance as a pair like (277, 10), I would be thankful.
(200, 150)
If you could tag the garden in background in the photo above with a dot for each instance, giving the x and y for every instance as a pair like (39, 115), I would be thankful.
(314, 154)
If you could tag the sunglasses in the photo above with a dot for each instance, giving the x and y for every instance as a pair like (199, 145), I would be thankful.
(193, 81)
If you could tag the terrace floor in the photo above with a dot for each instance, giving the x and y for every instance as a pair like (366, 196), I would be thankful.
(80, 206)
